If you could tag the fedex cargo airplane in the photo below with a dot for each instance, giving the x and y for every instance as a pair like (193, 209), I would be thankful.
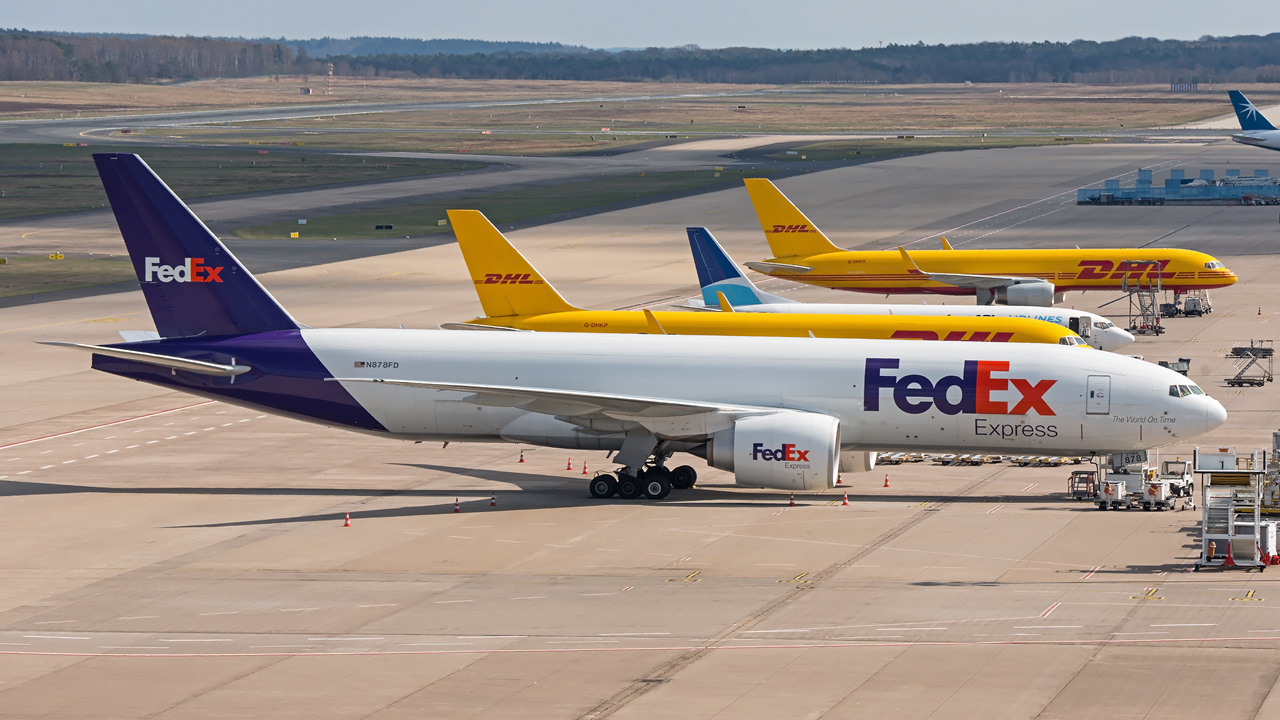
(726, 287)
(1255, 129)
(780, 413)
(515, 296)
(1009, 277)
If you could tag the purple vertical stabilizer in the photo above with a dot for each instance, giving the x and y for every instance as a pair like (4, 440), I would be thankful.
(192, 282)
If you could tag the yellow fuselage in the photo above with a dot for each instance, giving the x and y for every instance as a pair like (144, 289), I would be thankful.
(884, 271)
(912, 327)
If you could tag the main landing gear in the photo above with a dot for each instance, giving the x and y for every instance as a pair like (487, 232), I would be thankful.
(643, 459)
(654, 482)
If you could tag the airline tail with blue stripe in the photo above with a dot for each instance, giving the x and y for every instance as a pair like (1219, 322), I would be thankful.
(718, 274)
(1250, 117)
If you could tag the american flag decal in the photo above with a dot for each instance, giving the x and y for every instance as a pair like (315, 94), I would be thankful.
(359, 364)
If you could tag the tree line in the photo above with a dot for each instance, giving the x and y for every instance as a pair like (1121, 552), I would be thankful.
(1241, 59)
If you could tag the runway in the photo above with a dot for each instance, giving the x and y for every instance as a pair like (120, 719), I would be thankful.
(167, 557)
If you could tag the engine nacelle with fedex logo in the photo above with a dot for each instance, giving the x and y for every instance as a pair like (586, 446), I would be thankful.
(795, 451)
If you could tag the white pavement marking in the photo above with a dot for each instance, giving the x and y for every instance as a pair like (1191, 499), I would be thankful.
(53, 622)
(1141, 633)
(1025, 489)
(96, 427)
(224, 612)
(67, 462)
(112, 451)
(531, 597)
(433, 643)
(1089, 574)
(1185, 625)
(139, 617)
(46, 467)
(25, 472)
(133, 647)
(994, 509)
(56, 637)
(491, 637)
(387, 605)
(632, 634)
(1047, 627)
(904, 629)
(194, 639)
(282, 646)
(447, 602)
(306, 609)
(1050, 610)
(130, 447)
(90, 457)
(575, 642)
(356, 639)
(16, 644)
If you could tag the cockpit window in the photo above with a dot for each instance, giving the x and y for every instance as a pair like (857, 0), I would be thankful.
(1182, 391)
(1214, 265)
(1104, 324)
(1070, 340)
(1195, 390)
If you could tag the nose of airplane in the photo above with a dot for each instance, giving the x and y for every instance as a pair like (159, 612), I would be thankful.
(1115, 338)
(1214, 413)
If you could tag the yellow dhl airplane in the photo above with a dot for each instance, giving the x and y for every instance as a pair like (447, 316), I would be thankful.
(1014, 277)
(515, 296)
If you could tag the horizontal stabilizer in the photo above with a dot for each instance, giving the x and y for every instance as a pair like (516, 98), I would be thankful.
(478, 326)
(769, 268)
(200, 367)
(139, 335)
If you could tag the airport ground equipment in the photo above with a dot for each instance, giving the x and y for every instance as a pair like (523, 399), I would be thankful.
(1178, 189)
(1144, 307)
(1254, 364)
(1181, 365)
(1082, 485)
(1232, 531)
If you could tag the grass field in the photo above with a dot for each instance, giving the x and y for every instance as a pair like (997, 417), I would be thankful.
(500, 207)
(501, 143)
(873, 148)
(36, 179)
(79, 99)
(31, 275)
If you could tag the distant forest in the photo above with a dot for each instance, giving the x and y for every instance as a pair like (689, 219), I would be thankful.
(141, 59)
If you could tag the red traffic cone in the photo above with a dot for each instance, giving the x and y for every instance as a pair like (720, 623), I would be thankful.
(793, 500)
(584, 468)
(886, 479)
(1231, 560)
(521, 456)
(839, 481)
(569, 466)
(846, 500)
(347, 521)
(456, 507)
(493, 500)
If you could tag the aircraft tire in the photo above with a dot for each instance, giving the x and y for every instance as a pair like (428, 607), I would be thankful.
(683, 477)
(603, 486)
(629, 488)
(656, 484)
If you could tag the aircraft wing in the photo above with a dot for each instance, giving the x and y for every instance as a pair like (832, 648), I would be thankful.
(662, 416)
(985, 282)
(769, 268)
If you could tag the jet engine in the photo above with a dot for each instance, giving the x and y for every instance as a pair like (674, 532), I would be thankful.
(794, 451)
(856, 461)
(1037, 294)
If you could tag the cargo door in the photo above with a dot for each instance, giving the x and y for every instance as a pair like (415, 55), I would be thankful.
(1098, 399)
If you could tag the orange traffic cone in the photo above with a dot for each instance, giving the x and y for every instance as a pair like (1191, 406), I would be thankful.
(846, 500)
(793, 500)
(1231, 560)
(493, 500)
(456, 507)
(584, 468)
(569, 466)
(521, 456)
(839, 481)
(347, 521)
(886, 479)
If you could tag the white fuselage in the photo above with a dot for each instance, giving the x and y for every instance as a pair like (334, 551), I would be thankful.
(1080, 401)
(1096, 330)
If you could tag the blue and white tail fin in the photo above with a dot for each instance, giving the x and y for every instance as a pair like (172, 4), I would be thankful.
(191, 281)
(718, 274)
(1250, 118)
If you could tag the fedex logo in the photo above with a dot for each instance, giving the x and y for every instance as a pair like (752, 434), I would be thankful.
(509, 279)
(1108, 270)
(192, 270)
(787, 452)
(915, 394)
(791, 229)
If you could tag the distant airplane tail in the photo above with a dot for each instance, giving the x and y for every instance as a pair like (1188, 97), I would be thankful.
(718, 274)
(789, 232)
(1250, 118)
(191, 281)
(505, 281)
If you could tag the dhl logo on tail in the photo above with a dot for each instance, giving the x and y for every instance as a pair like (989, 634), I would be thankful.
(510, 279)
(792, 229)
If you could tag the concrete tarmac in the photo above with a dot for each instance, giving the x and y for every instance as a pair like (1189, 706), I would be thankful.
(167, 557)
